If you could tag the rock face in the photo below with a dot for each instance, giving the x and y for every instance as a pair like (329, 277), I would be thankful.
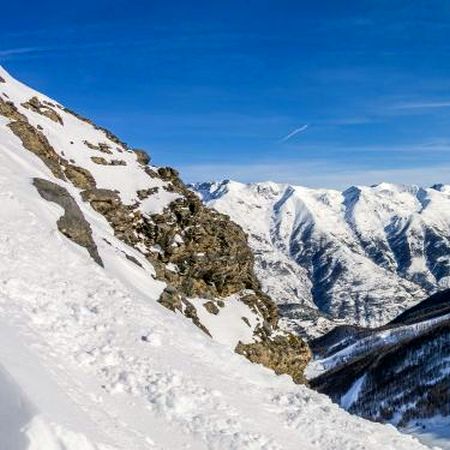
(283, 354)
(201, 255)
(72, 224)
(360, 257)
(398, 373)
(44, 108)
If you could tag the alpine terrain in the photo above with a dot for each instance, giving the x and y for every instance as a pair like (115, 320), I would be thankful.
(397, 373)
(130, 315)
(361, 256)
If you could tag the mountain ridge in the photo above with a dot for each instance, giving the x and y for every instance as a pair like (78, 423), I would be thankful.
(363, 255)
(397, 373)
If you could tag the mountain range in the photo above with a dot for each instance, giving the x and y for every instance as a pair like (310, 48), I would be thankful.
(360, 256)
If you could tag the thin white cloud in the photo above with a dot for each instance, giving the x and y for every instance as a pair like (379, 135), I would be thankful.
(21, 51)
(294, 132)
(422, 105)
(31, 52)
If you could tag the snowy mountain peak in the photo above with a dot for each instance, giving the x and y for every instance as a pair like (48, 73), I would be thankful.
(360, 256)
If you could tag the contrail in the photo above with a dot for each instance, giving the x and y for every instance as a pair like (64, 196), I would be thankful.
(294, 132)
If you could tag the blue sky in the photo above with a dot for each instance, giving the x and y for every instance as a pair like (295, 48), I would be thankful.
(212, 87)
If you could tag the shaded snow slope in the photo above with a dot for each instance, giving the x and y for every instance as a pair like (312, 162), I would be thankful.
(399, 373)
(361, 256)
(91, 361)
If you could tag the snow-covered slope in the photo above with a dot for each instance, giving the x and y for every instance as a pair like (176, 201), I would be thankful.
(90, 359)
(202, 257)
(361, 256)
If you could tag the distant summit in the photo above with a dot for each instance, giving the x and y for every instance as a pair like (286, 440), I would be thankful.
(360, 256)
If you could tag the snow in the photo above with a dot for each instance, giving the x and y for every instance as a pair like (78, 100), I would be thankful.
(228, 327)
(346, 254)
(434, 431)
(352, 394)
(90, 361)
(157, 202)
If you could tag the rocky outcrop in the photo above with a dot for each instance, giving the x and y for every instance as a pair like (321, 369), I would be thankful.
(198, 252)
(284, 354)
(142, 157)
(211, 307)
(72, 223)
(101, 146)
(35, 105)
(79, 176)
(36, 142)
(213, 261)
(124, 219)
(104, 162)
(146, 193)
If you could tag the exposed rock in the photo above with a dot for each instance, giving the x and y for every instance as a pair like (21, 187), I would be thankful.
(142, 157)
(80, 177)
(100, 160)
(145, 193)
(262, 303)
(113, 162)
(133, 259)
(169, 174)
(171, 299)
(2, 80)
(101, 146)
(150, 172)
(191, 313)
(9, 110)
(284, 354)
(36, 106)
(105, 148)
(36, 142)
(211, 307)
(123, 218)
(117, 162)
(32, 139)
(72, 224)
